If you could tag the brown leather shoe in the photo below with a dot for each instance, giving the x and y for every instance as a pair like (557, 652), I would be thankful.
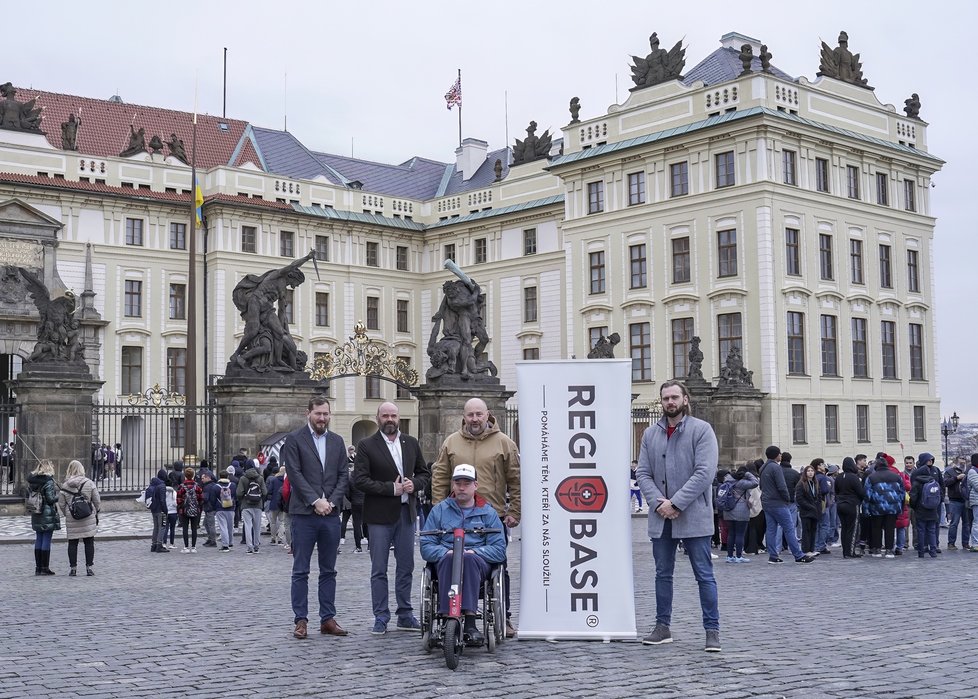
(332, 628)
(510, 629)
(300, 629)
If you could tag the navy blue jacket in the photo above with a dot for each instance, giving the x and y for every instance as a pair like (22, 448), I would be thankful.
(156, 494)
(885, 491)
(274, 487)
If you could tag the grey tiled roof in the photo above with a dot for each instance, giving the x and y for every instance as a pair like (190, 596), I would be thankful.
(417, 178)
(723, 65)
(285, 155)
(483, 177)
(338, 215)
(514, 208)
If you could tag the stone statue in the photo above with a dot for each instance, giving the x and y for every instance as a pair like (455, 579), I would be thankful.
(176, 149)
(137, 142)
(18, 116)
(746, 58)
(659, 66)
(460, 320)
(57, 331)
(266, 344)
(695, 360)
(604, 348)
(733, 372)
(156, 144)
(912, 107)
(575, 109)
(765, 59)
(498, 169)
(69, 133)
(842, 64)
(532, 147)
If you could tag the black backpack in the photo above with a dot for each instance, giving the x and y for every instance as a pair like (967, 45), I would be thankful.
(191, 505)
(253, 494)
(79, 507)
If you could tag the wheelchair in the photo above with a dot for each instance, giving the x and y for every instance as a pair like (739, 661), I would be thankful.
(445, 631)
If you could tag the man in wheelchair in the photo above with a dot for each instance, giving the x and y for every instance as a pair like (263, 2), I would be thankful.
(464, 509)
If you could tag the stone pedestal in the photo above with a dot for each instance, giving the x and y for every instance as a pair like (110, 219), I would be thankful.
(440, 411)
(255, 409)
(736, 419)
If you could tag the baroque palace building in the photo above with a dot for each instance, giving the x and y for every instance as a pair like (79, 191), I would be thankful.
(784, 216)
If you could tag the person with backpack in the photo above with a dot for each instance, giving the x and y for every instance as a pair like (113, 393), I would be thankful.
(42, 500)
(98, 461)
(733, 504)
(80, 502)
(154, 497)
(109, 462)
(849, 494)
(273, 485)
(223, 500)
(208, 486)
(252, 494)
(956, 484)
(926, 496)
(885, 493)
(190, 497)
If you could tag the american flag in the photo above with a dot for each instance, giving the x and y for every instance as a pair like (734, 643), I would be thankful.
(454, 95)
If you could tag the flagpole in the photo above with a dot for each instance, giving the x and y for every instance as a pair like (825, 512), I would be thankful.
(460, 108)
(190, 416)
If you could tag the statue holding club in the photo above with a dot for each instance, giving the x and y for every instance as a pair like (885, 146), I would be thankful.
(460, 320)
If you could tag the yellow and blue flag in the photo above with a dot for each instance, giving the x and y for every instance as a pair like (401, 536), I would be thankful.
(198, 202)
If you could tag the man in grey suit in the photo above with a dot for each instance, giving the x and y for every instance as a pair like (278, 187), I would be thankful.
(390, 470)
(316, 464)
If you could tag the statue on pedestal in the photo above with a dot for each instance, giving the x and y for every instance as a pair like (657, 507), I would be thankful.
(532, 147)
(575, 109)
(57, 331)
(69, 133)
(137, 142)
(734, 373)
(604, 348)
(912, 107)
(156, 144)
(695, 371)
(746, 58)
(460, 320)
(18, 116)
(177, 150)
(840, 63)
(765, 59)
(659, 66)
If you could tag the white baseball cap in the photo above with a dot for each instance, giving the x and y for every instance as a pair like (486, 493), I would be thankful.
(466, 471)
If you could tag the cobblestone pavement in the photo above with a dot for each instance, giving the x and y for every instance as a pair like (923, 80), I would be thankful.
(219, 624)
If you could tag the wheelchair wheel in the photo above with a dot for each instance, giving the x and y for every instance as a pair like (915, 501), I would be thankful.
(498, 608)
(452, 643)
(427, 618)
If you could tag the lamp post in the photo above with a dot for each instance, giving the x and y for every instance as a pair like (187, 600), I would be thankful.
(948, 427)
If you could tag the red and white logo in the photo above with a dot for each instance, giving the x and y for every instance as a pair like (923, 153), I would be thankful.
(582, 494)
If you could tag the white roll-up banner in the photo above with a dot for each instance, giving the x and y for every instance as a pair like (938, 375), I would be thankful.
(576, 563)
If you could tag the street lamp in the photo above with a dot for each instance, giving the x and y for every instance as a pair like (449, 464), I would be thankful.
(949, 427)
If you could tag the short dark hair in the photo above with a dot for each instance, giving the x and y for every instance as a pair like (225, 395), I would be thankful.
(860, 456)
(786, 457)
(772, 452)
(682, 387)
(319, 399)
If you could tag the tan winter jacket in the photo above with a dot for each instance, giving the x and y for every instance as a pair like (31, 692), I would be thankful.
(497, 467)
(79, 528)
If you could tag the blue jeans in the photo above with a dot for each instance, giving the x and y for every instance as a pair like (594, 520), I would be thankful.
(736, 532)
(974, 525)
(780, 516)
(401, 534)
(901, 538)
(956, 515)
(927, 536)
(779, 533)
(42, 541)
(698, 550)
(323, 533)
(826, 532)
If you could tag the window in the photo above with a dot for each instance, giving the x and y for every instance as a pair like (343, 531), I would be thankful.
(725, 169)
(860, 359)
(682, 337)
(480, 250)
(909, 195)
(680, 260)
(830, 346)
(729, 335)
(176, 370)
(178, 301)
(134, 231)
(403, 393)
(529, 304)
(832, 424)
(450, 252)
(792, 251)
(796, 342)
(595, 334)
(132, 370)
(892, 424)
(595, 197)
(286, 244)
(289, 300)
(373, 254)
(531, 353)
(882, 196)
(886, 277)
(178, 236)
(641, 351)
(825, 270)
(373, 387)
(727, 253)
(134, 299)
(888, 343)
(862, 423)
(178, 432)
(596, 261)
(679, 175)
(401, 261)
(530, 241)
(852, 181)
(637, 264)
(799, 430)
(913, 271)
(404, 425)
(402, 316)
(322, 309)
(916, 352)
(249, 239)
(856, 260)
(919, 424)
(788, 159)
(821, 174)
(373, 313)
(636, 188)
(322, 248)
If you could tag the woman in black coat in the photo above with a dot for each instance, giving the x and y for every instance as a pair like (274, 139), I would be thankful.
(809, 503)
(46, 520)
(849, 494)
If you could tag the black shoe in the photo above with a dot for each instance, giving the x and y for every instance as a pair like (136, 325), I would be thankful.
(855, 555)
(73, 572)
(473, 637)
(805, 559)
(824, 552)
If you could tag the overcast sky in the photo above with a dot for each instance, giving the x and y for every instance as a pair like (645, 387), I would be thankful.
(370, 77)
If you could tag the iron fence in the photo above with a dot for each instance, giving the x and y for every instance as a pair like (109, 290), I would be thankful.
(10, 451)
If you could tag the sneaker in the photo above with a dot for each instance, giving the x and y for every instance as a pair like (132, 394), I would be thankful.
(712, 641)
(224, 548)
(713, 555)
(342, 541)
(888, 555)
(805, 559)
(741, 559)
(185, 550)
(408, 624)
(824, 552)
(731, 559)
(774, 561)
(836, 545)
(952, 547)
(379, 629)
(250, 551)
(878, 554)
(660, 634)
(193, 549)
(897, 552)
(358, 550)
(973, 549)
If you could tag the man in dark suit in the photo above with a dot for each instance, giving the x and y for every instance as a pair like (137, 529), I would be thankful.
(315, 461)
(390, 470)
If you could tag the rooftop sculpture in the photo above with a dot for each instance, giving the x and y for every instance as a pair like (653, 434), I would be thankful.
(659, 66)
(840, 63)
(532, 147)
(18, 116)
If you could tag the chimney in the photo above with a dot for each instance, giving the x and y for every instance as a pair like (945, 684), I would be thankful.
(734, 40)
(470, 156)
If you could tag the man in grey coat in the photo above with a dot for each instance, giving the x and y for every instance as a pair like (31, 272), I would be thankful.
(676, 467)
